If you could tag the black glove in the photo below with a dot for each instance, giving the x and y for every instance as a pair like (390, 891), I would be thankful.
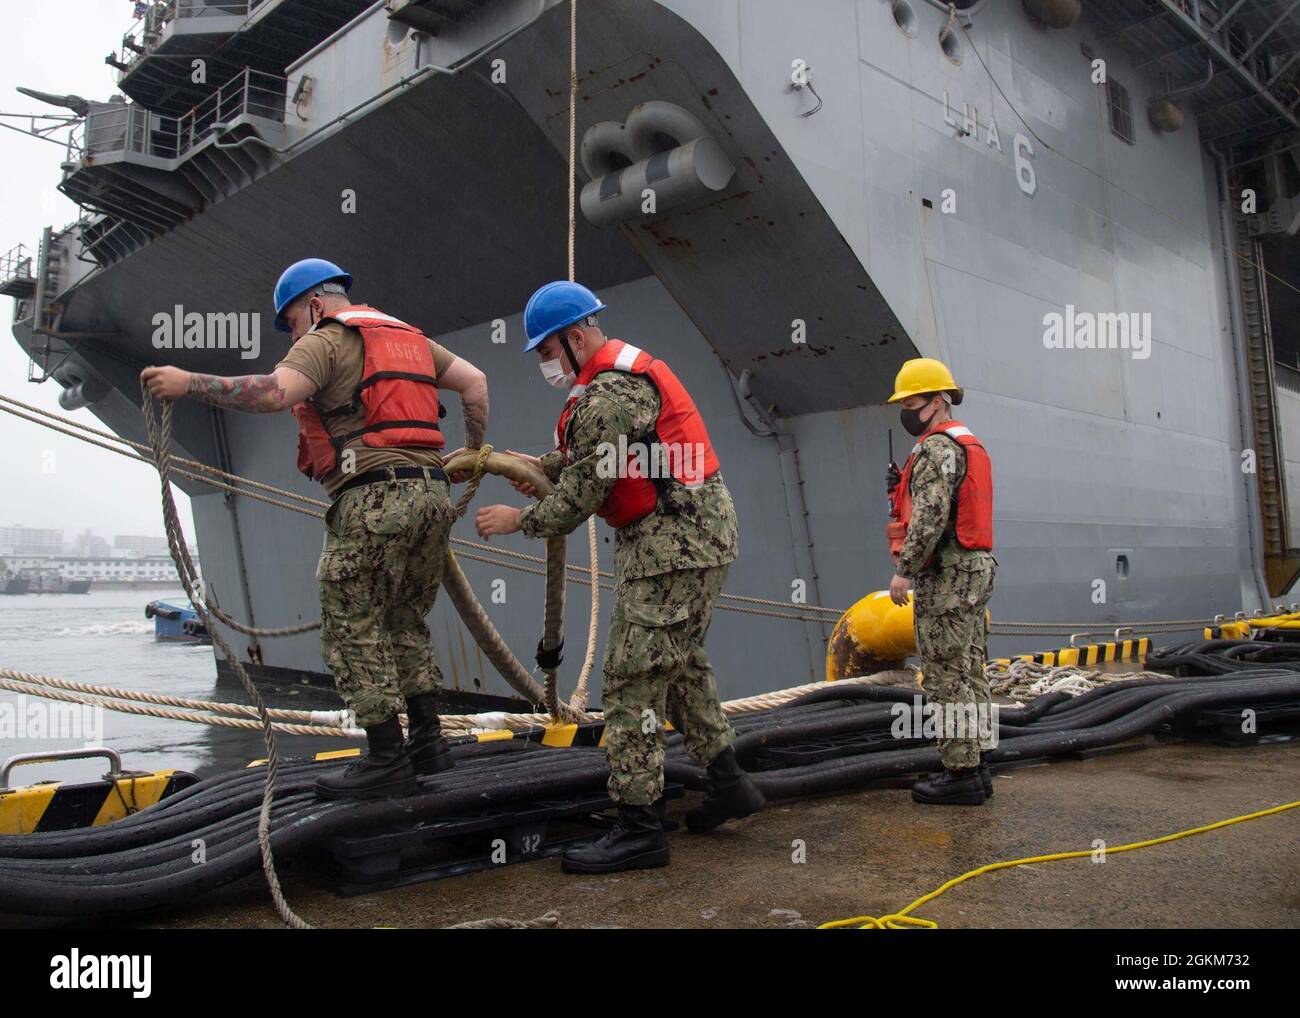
(892, 477)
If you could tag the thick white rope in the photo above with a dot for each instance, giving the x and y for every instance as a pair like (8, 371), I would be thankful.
(1027, 680)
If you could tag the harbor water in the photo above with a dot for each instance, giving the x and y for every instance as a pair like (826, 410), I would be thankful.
(104, 638)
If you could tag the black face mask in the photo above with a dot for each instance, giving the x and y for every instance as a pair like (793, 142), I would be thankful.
(912, 420)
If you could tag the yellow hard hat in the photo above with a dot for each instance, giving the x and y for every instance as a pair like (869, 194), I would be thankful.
(924, 374)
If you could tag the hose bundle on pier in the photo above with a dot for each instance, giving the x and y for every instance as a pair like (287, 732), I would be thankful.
(148, 860)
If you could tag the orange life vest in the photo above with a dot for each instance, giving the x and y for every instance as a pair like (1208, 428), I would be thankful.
(679, 442)
(398, 390)
(974, 524)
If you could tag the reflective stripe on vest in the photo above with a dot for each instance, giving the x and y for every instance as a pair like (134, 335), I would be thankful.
(398, 391)
(973, 527)
(679, 434)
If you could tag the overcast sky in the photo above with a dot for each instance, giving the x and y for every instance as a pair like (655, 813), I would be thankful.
(58, 46)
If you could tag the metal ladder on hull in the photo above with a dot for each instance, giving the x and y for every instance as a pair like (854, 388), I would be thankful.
(1281, 560)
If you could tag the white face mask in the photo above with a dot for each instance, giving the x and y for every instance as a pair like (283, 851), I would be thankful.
(555, 374)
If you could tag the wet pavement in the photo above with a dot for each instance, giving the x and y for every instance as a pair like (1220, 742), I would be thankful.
(874, 851)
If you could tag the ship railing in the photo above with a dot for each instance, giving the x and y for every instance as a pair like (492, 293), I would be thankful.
(129, 127)
(16, 265)
(250, 93)
(147, 30)
(144, 33)
(207, 8)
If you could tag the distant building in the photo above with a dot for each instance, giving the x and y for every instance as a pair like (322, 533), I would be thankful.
(30, 541)
(114, 568)
(138, 545)
(88, 544)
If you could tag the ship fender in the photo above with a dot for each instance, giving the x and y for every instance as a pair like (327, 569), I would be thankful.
(874, 635)
(79, 391)
(660, 158)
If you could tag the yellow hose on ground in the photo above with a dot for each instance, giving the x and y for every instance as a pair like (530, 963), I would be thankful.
(901, 920)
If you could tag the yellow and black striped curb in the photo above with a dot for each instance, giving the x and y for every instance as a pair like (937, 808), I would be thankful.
(1087, 653)
(60, 806)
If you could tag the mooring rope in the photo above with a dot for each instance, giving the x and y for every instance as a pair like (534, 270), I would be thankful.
(311, 717)
(160, 440)
(578, 701)
(330, 723)
(216, 720)
(1027, 680)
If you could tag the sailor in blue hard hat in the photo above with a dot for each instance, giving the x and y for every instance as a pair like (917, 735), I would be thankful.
(676, 536)
(363, 386)
(550, 310)
(310, 277)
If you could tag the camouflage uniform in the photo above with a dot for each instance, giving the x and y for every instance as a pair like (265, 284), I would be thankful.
(669, 569)
(384, 555)
(951, 595)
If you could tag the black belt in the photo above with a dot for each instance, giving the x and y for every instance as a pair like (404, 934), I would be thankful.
(391, 473)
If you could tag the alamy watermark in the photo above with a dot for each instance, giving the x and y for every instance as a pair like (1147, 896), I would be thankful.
(46, 719)
(179, 329)
(652, 460)
(930, 720)
(77, 971)
(1098, 330)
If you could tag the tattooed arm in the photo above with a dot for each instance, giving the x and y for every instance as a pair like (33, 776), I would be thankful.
(470, 383)
(254, 394)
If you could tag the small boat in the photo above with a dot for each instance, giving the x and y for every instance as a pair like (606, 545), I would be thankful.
(51, 581)
(12, 582)
(176, 622)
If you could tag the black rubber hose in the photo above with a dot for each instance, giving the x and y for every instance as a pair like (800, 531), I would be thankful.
(207, 803)
(169, 848)
(31, 895)
(844, 772)
(161, 875)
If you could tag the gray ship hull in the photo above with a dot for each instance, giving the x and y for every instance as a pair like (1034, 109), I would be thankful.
(1113, 472)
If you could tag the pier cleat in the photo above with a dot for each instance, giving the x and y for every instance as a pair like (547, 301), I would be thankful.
(384, 772)
(635, 842)
(731, 795)
(951, 788)
(426, 746)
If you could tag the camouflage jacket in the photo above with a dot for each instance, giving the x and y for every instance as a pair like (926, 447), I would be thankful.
(698, 529)
(937, 472)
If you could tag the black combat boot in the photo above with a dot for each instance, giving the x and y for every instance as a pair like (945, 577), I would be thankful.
(986, 775)
(951, 788)
(384, 772)
(730, 796)
(635, 842)
(428, 748)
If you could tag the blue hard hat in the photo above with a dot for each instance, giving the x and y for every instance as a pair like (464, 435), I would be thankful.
(555, 306)
(300, 277)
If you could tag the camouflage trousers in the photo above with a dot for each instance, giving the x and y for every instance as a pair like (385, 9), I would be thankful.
(656, 669)
(384, 555)
(952, 642)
